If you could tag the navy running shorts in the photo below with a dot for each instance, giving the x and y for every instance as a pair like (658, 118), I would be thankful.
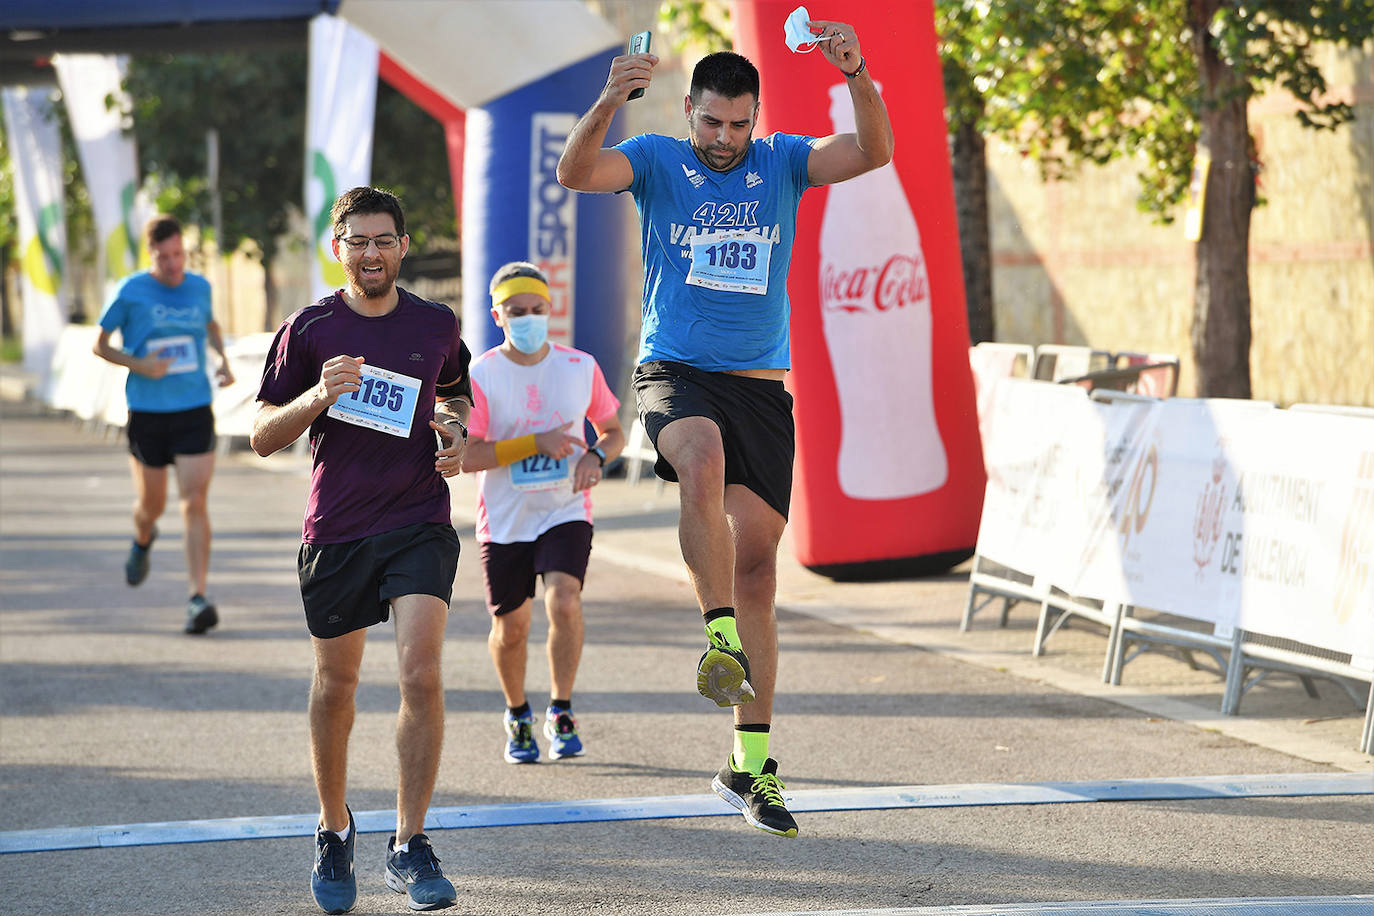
(155, 439)
(509, 570)
(349, 586)
(754, 416)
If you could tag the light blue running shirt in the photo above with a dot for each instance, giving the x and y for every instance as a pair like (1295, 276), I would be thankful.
(172, 320)
(716, 248)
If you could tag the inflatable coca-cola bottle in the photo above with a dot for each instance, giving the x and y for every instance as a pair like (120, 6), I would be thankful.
(875, 311)
(889, 473)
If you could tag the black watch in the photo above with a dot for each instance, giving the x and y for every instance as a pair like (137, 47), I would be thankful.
(600, 454)
(461, 425)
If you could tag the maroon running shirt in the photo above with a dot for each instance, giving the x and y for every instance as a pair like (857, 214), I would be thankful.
(365, 481)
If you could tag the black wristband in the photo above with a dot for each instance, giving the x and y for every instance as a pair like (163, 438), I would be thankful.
(600, 454)
(862, 65)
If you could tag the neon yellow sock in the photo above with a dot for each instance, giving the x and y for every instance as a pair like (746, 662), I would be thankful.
(724, 627)
(751, 750)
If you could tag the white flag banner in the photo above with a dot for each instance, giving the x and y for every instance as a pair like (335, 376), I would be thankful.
(338, 142)
(36, 154)
(109, 159)
(1230, 512)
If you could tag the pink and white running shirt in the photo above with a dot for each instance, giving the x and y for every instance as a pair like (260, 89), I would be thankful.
(512, 400)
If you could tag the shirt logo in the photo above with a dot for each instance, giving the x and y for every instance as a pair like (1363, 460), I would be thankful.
(693, 176)
(752, 179)
(417, 358)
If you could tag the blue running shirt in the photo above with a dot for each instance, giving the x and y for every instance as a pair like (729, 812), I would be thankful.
(151, 316)
(716, 248)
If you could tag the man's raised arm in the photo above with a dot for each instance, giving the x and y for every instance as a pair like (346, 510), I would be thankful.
(585, 165)
(843, 156)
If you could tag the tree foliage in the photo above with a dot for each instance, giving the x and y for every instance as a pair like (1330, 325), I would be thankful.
(703, 23)
(410, 158)
(256, 103)
(1072, 81)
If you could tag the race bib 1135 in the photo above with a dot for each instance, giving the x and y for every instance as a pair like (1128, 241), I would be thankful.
(385, 402)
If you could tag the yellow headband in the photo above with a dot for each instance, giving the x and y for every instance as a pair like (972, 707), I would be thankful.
(517, 285)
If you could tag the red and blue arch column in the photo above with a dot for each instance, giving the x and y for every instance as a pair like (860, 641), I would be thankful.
(515, 209)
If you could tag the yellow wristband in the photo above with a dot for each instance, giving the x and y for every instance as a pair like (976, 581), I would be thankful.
(509, 451)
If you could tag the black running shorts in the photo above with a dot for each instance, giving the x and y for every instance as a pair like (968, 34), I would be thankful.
(349, 586)
(754, 416)
(155, 439)
(509, 570)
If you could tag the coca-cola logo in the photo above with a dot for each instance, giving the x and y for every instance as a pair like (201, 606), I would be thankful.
(896, 284)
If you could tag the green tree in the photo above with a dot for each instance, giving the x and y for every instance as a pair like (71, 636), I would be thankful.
(256, 103)
(1072, 81)
(410, 158)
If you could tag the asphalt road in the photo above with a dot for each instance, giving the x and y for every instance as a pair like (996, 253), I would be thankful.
(110, 715)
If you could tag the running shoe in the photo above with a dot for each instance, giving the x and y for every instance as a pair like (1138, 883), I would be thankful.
(520, 744)
(332, 880)
(758, 797)
(200, 615)
(723, 674)
(416, 874)
(561, 729)
(136, 566)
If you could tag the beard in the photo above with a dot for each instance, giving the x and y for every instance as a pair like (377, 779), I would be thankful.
(375, 284)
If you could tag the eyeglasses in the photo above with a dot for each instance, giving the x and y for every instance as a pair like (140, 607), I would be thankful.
(359, 242)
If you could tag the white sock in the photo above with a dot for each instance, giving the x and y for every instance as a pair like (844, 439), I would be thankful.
(341, 834)
(403, 847)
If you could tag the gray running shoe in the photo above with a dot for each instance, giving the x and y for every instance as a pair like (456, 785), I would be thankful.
(723, 674)
(200, 615)
(136, 566)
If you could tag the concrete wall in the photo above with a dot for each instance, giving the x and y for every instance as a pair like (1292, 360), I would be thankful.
(1075, 262)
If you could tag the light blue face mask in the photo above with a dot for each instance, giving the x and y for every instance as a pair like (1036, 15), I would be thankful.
(528, 332)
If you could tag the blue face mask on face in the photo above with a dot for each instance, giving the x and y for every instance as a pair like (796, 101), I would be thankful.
(528, 332)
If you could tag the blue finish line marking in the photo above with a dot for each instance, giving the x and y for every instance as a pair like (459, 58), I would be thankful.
(671, 806)
(1358, 905)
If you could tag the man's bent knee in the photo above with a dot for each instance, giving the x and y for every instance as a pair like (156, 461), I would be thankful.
(422, 683)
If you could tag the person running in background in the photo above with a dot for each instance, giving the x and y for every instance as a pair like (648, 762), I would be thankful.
(718, 214)
(373, 372)
(534, 507)
(164, 319)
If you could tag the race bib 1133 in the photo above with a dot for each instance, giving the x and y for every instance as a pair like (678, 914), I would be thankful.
(731, 261)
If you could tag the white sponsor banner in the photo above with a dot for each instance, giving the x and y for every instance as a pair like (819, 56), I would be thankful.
(1301, 527)
(1028, 450)
(109, 159)
(553, 218)
(341, 105)
(36, 154)
(1230, 512)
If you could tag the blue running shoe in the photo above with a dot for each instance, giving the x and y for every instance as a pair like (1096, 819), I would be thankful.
(332, 881)
(561, 729)
(136, 566)
(416, 874)
(520, 744)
